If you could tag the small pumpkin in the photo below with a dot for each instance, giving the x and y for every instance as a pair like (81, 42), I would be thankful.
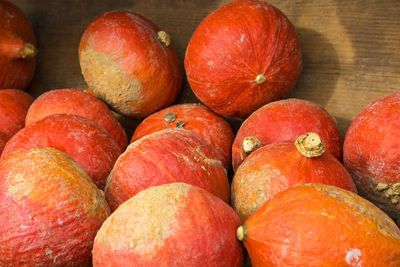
(278, 166)
(372, 153)
(285, 120)
(242, 56)
(196, 118)
(82, 139)
(50, 210)
(320, 225)
(135, 75)
(170, 225)
(171, 155)
(17, 48)
(14, 105)
(73, 101)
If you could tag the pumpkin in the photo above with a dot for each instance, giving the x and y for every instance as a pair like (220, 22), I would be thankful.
(320, 225)
(50, 210)
(278, 166)
(82, 139)
(129, 63)
(242, 56)
(172, 155)
(170, 225)
(14, 105)
(285, 120)
(371, 153)
(3, 140)
(17, 48)
(193, 117)
(73, 101)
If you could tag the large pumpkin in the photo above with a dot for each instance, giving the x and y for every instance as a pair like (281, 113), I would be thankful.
(170, 225)
(196, 118)
(50, 210)
(17, 48)
(14, 105)
(129, 63)
(84, 140)
(320, 225)
(278, 166)
(285, 120)
(172, 155)
(242, 56)
(73, 101)
(371, 153)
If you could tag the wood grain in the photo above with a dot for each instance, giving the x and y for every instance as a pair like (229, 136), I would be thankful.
(351, 49)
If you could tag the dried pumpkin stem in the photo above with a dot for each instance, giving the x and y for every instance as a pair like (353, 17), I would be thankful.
(260, 79)
(169, 117)
(241, 233)
(310, 145)
(164, 38)
(29, 51)
(250, 144)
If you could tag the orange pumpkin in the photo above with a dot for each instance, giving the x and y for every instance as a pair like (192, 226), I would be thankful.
(50, 210)
(170, 225)
(278, 166)
(73, 101)
(320, 225)
(196, 118)
(172, 155)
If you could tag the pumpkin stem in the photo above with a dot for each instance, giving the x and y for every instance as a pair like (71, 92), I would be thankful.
(29, 51)
(260, 79)
(169, 117)
(241, 233)
(250, 144)
(164, 38)
(310, 145)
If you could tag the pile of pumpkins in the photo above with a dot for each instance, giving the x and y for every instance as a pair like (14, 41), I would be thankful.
(74, 193)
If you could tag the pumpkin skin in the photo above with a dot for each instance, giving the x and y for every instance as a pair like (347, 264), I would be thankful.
(172, 155)
(17, 48)
(196, 118)
(170, 225)
(292, 228)
(50, 210)
(3, 140)
(82, 139)
(285, 120)
(14, 105)
(73, 101)
(129, 63)
(372, 156)
(278, 166)
(242, 56)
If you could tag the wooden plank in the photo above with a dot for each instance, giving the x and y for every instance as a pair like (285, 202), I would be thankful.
(351, 49)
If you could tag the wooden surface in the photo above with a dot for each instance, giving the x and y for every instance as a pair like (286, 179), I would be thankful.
(351, 48)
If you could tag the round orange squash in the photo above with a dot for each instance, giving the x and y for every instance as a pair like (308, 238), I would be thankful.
(3, 140)
(129, 63)
(83, 139)
(170, 225)
(285, 120)
(171, 155)
(242, 56)
(73, 101)
(17, 48)
(196, 118)
(14, 105)
(320, 225)
(50, 210)
(278, 166)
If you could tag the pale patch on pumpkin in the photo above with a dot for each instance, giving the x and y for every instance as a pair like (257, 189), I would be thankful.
(147, 219)
(111, 84)
(353, 257)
